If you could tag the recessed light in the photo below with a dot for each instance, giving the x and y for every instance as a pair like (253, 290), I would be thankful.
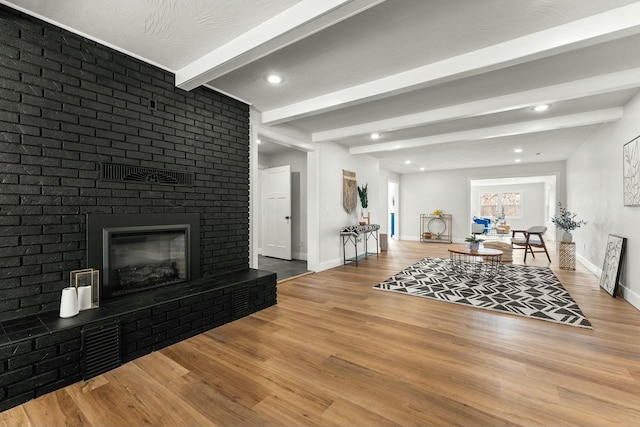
(274, 79)
(259, 141)
(540, 108)
(518, 150)
(421, 169)
(407, 162)
(518, 160)
(375, 135)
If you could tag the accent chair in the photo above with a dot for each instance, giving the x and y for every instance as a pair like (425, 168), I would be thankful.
(529, 239)
(486, 223)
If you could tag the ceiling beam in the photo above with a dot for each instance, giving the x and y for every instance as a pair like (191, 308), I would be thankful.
(606, 26)
(545, 95)
(273, 135)
(553, 123)
(299, 21)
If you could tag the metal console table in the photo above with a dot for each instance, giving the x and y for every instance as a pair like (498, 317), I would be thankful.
(435, 228)
(351, 233)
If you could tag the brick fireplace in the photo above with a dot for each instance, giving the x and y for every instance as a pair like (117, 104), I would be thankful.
(79, 139)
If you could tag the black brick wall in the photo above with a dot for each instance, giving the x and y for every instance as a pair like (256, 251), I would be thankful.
(66, 105)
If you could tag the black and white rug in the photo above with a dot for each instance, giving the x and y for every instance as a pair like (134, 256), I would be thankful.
(522, 290)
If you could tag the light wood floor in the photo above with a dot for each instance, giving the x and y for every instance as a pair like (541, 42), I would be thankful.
(335, 352)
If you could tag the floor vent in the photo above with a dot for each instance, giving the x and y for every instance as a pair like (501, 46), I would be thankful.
(239, 303)
(127, 173)
(100, 349)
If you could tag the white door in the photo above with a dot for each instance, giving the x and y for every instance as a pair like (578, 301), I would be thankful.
(276, 205)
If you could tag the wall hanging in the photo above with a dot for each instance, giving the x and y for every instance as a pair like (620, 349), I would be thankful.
(349, 191)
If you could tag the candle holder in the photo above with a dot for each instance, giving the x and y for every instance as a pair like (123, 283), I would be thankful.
(87, 285)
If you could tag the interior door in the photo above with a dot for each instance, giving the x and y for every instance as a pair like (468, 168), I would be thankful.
(276, 204)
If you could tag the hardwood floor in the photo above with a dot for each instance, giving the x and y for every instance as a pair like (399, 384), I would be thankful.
(335, 352)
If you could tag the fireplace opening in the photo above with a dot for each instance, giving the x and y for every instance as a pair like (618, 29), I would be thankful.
(144, 257)
(143, 251)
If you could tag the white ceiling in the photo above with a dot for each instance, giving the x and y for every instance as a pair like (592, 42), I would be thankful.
(448, 83)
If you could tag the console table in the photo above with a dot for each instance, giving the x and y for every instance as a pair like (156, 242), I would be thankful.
(350, 234)
(435, 228)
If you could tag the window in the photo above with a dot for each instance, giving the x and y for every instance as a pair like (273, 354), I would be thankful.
(511, 204)
(488, 204)
(494, 204)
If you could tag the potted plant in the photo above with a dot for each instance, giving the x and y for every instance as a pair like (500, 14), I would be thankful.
(566, 221)
(474, 242)
(364, 202)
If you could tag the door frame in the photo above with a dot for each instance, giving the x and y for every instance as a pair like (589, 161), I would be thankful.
(313, 219)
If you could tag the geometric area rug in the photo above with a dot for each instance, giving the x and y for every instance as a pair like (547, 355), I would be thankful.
(521, 290)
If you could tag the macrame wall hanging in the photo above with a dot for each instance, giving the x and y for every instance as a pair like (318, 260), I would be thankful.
(349, 191)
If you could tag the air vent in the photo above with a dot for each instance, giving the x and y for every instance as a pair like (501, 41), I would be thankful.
(100, 350)
(128, 173)
(239, 303)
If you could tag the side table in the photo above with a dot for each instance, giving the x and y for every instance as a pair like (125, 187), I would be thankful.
(567, 256)
(484, 262)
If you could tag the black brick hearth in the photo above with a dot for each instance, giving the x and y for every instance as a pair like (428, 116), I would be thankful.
(41, 353)
(69, 107)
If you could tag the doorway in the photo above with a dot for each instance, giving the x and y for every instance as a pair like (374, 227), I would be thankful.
(274, 156)
(393, 209)
(536, 196)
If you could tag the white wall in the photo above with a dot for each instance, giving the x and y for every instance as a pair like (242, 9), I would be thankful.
(594, 192)
(449, 191)
(332, 216)
(532, 203)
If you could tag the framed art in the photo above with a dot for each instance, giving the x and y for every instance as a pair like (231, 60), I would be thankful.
(631, 173)
(612, 261)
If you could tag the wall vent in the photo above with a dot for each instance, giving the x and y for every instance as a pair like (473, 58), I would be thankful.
(127, 173)
(239, 303)
(100, 349)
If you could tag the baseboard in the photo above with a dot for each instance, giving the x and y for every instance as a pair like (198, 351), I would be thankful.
(630, 296)
(329, 264)
(417, 239)
(590, 266)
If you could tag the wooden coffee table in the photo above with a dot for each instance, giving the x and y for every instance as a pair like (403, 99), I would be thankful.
(483, 263)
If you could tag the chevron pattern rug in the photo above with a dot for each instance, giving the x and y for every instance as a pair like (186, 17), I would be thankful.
(521, 290)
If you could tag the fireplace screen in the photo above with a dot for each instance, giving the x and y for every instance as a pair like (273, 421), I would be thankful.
(144, 257)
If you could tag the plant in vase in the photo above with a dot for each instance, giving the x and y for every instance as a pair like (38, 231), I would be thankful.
(364, 202)
(566, 222)
(474, 242)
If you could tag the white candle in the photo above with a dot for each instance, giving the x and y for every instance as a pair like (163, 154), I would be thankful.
(84, 297)
(69, 302)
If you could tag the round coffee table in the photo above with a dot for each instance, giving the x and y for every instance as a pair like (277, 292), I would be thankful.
(484, 262)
